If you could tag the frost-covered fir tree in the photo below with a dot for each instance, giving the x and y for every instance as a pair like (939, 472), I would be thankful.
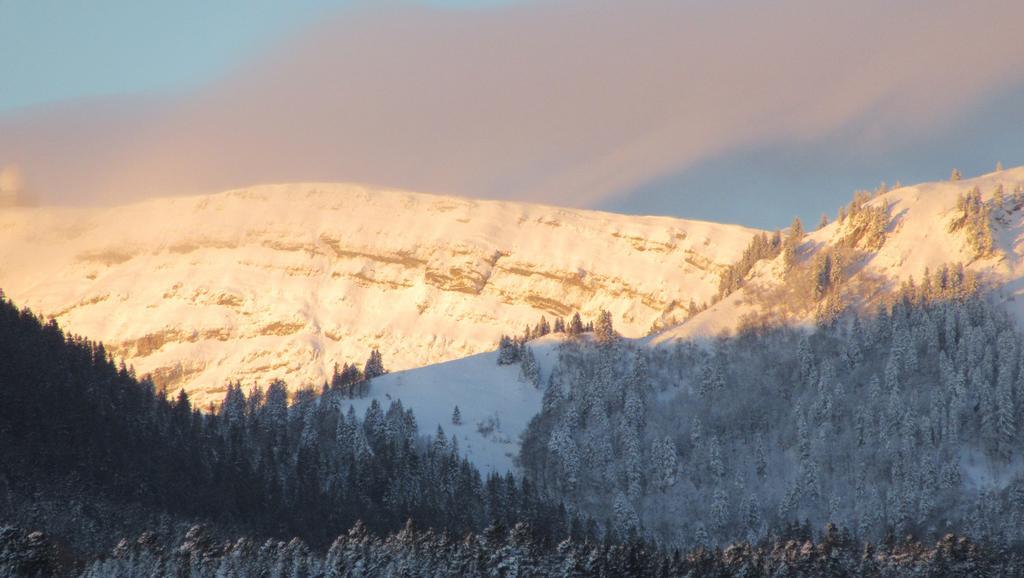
(374, 365)
(794, 237)
(627, 523)
(543, 327)
(575, 326)
(604, 332)
(529, 368)
(508, 351)
(665, 464)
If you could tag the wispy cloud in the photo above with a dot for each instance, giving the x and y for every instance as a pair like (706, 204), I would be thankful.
(570, 102)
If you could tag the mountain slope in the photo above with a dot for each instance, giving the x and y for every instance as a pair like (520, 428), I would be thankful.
(495, 402)
(91, 454)
(287, 280)
(917, 238)
(921, 236)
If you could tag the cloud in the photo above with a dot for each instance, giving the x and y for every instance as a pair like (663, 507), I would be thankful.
(569, 102)
(10, 180)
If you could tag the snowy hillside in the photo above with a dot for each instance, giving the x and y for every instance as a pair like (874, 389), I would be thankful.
(917, 239)
(494, 401)
(287, 280)
(921, 234)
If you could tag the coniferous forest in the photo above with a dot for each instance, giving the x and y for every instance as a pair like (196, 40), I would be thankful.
(90, 453)
(866, 446)
(905, 423)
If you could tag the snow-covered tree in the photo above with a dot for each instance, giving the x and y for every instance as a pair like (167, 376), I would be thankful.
(665, 464)
(575, 325)
(529, 368)
(604, 332)
(627, 522)
(374, 365)
(508, 351)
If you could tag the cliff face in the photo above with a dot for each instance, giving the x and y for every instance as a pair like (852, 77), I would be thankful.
(287, 280)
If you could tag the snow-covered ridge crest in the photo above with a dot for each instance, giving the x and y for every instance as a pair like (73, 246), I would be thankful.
(924, 231)
(287, 280)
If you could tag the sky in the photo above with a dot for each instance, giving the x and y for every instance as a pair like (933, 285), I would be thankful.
(733, 110)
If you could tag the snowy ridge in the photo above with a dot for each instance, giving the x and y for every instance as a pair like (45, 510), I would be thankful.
(918, 238)
(287, 280)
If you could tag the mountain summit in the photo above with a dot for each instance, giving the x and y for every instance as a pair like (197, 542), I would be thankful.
(285, 281)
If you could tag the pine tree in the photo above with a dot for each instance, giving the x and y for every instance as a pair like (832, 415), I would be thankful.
(1006, 428)
(627, 522)
(892, 373)
(559, 325)
(715, 464)
(575, 325)
(563, 446)
(796, 230)
(803, 441)
(603, 330)
(665, 461)
(794, 237)
(761, 459)
(877, 222)
(753, 518)
(543, 328)
(508, 351)
(232, 409)
(823, 274)
(805, 356)
(275, 408)
(374, 365)
(999, 197)
(373, 421)
(553, 395)
(529, 368)
(456, 416)
(632, 457)
(719, 509)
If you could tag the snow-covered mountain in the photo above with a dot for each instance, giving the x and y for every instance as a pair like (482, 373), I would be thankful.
(202, 290)
(287, 280)
(922, 233)
(917, 238)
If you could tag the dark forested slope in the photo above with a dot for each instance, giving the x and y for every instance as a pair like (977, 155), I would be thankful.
(90, 453)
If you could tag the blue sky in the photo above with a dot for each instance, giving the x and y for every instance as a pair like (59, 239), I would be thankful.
(68, 49)
(693, 109)
(59, 50)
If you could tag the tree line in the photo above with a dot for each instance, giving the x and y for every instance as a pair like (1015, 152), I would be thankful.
(795, 551)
